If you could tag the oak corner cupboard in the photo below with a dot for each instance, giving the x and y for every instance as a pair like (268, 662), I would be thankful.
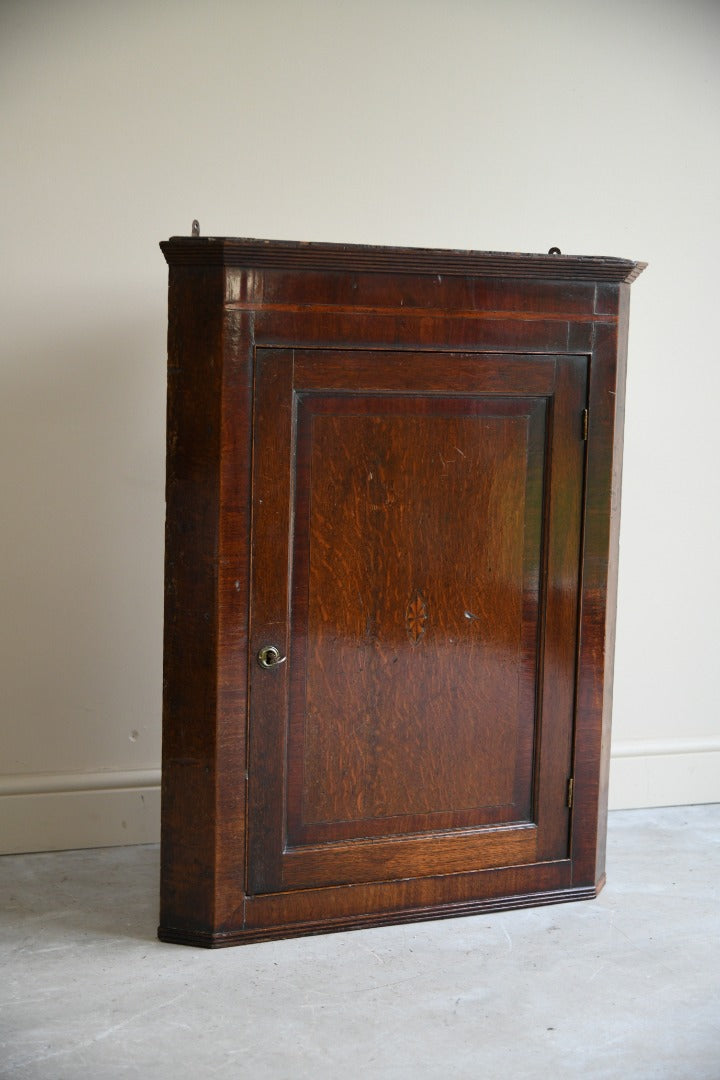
(391, 556)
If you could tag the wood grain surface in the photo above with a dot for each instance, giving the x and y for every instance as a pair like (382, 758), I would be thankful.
(377, 463)
(426, 538)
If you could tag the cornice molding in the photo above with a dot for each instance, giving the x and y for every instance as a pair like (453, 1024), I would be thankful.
(285, 255)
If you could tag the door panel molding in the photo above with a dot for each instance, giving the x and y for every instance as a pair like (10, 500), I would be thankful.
(332, 791)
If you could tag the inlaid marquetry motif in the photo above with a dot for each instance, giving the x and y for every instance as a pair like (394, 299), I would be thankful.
(416, 616)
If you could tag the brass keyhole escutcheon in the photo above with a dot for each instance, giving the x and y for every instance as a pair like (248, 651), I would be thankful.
(269, 657)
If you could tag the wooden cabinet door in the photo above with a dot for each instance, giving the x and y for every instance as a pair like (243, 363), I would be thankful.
(416, 536)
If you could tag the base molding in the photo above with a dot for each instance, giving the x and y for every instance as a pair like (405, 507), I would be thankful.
(206, 939)
(57, 811)
(664, 772)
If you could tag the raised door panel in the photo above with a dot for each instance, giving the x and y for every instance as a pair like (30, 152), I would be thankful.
(416, 541)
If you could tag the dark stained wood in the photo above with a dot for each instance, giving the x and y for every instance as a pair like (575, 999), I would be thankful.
(308, 329)
(376, 463)
(225, 251)
(405, 293)
(597, 640)
(272, 475)
(190, 643)
(405, 623)
(414, 643)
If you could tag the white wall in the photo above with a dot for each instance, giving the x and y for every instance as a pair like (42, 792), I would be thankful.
(512, 125)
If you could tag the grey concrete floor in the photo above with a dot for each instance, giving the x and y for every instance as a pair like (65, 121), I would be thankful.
(625, 986)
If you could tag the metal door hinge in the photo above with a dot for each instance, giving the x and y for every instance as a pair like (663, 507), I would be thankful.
(570, 792)
(584, 425)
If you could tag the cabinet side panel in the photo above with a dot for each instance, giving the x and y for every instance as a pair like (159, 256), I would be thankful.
(190, 639)
(600, 566)
(613, 564)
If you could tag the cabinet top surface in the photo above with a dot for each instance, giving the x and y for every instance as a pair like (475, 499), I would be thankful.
(297, 255)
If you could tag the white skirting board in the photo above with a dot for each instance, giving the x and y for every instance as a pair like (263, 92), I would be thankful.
(52, 812)
(664, 772)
